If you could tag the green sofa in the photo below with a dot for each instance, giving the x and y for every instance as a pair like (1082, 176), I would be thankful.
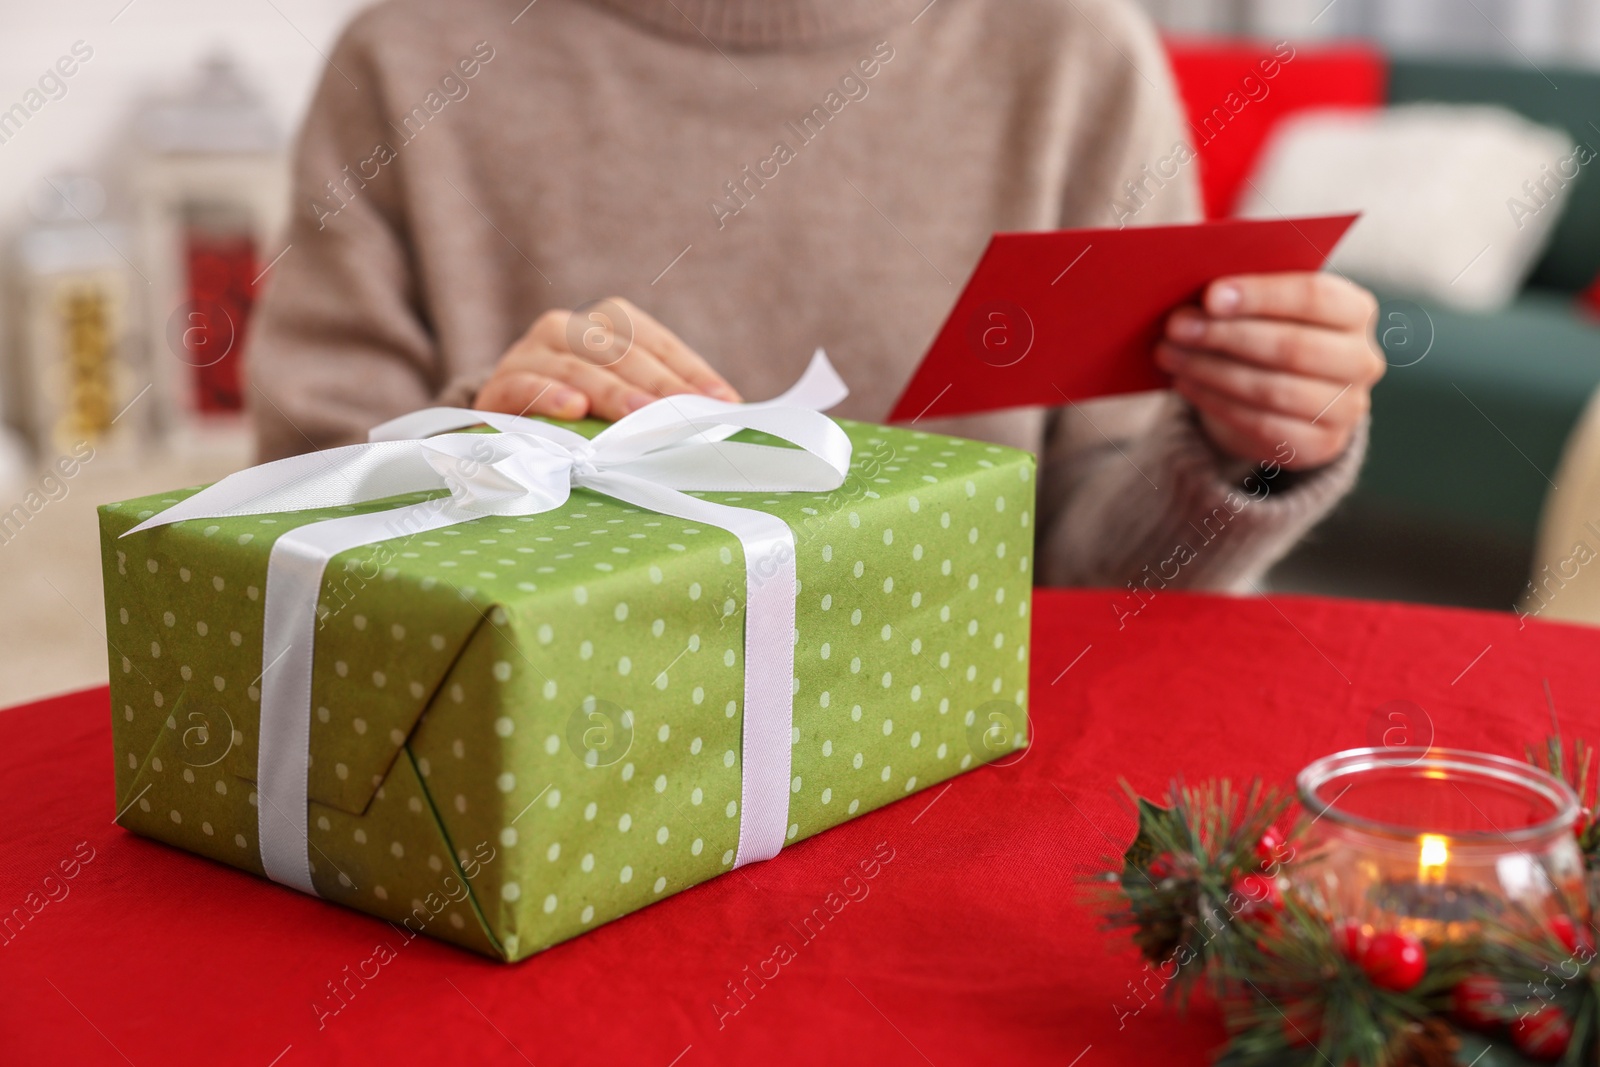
(1466, 441)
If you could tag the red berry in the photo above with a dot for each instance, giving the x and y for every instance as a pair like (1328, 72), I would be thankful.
(1350, 938)
(1301, 1027)
(1571, 936)
(1162, 866)
(1268, 847)
(1543, 1034)
(1395, 961)
(1479, 1002)
(1261, 896)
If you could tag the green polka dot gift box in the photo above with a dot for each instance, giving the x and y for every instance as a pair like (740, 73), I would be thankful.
(523, 726)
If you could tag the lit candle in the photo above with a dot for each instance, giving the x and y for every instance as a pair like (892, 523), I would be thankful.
(1432, 859)
(1412, 840)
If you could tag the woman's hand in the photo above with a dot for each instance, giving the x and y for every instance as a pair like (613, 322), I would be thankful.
(605, 360)
(1275, 359)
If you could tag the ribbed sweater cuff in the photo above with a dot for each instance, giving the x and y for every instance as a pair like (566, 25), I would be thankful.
(1213, 523)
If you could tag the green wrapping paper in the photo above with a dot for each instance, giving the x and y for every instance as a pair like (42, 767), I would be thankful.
(526, 727)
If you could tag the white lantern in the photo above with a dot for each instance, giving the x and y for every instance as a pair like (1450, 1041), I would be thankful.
(81, 379)
(211, 186)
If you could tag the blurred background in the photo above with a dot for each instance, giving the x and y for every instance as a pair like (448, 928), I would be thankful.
(143, 186)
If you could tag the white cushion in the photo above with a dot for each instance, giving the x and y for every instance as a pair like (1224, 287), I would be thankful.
(1451, 208)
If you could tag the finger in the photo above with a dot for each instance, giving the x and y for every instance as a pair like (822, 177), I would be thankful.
(629, 360)
(616, 336)
(688, 365)
(612, 389)
(518, 392)
(611, 396)
(1279, 345)
(549, 330)
(1318, 298)
(1255, 435)
(645, 369)
(1295, 395)
(682, 360)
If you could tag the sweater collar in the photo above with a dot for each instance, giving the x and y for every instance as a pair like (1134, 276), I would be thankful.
(765, 24)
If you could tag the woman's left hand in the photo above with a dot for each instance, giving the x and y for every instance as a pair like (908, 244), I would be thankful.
(1275, 360)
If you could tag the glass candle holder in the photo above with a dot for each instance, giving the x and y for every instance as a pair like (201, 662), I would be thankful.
(1434, 842)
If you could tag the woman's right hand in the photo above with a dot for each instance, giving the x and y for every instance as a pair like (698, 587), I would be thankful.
(603, 360)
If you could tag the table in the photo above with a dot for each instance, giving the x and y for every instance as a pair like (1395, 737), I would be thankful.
(972, 945)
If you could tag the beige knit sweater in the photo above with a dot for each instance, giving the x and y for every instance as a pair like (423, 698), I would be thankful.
(764, 176)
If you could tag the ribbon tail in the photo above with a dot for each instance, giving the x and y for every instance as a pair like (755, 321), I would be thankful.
(733, 467)
(294, 586)
(769, 627)
(685, 416)
(353, 474)
(818, 389)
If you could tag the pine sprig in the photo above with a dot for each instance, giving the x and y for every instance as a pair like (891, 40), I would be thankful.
(1553, 761)
(1201, 893)
(1310, 1003)
(1177, 883)
(1545, 970)
(1577, 773)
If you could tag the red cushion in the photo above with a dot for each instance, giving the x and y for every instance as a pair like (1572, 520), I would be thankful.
(1235, 93)
(1590, 300)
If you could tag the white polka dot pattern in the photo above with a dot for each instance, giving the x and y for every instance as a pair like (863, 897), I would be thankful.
(524, 727)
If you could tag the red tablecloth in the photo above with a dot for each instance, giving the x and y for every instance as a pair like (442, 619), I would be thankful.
(973, 945)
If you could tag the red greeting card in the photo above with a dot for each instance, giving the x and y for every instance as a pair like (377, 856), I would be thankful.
(1074, 314)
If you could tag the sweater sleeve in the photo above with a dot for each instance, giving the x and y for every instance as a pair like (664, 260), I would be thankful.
(1131, 485)
(1164, 505)
(339, 342)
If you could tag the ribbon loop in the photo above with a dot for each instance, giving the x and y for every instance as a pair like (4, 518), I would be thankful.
(502, 474)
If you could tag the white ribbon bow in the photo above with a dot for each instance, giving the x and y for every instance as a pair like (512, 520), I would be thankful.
(650, 458)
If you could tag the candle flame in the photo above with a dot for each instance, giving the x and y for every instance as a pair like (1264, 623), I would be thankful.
(1433, 858)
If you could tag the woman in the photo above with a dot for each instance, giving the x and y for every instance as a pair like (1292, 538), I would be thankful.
(767, 176)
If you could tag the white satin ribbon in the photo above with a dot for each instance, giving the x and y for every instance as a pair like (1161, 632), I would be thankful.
(650, 458)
